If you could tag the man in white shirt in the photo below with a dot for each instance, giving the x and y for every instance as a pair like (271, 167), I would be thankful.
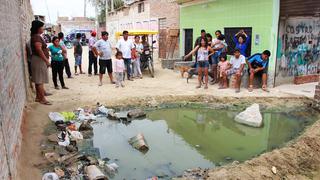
(103, 49)
(92, 58)
(125, 45)
(237, 63)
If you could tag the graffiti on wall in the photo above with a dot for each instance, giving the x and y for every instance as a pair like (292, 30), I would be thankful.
(298, 47)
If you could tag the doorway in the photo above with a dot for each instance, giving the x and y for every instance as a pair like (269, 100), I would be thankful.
(188, 41)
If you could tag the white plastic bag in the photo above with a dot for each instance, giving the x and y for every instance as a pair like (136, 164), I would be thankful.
(76, 135)
(55, 116)
(103, 110)
(66, 141)
(50, 176)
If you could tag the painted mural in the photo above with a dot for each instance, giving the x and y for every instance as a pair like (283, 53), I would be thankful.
(298, 50)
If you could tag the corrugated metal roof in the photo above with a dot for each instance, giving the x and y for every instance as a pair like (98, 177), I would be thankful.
(299, 7)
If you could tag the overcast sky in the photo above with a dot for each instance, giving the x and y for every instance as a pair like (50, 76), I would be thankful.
(70, 8)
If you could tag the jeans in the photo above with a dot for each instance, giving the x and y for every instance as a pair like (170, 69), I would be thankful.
(57, 69)
(92, 61)
(119, 78)
(67, 67)
(127, 63)
(136, 67)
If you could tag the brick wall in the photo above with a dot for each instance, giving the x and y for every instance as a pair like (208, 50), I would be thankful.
(316, 102)
(16, 16)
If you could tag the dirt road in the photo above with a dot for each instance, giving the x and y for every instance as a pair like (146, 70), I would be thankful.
(84, 90)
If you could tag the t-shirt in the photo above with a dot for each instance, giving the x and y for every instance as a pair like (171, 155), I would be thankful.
(92, 41)
(237, 62)
(105, 48)
(78, 50)
(125, 47)
(139, 48)
(258, 61)
(242, 47)
(37, 38)
(119, 65)
(62, 44)
(56, 53)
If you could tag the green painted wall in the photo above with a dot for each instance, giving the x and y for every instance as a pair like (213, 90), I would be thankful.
(261, 15)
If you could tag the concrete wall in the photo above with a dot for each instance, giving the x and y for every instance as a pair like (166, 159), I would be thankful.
(16, 17)
(298, 51)
(261, 15)
(75, 23)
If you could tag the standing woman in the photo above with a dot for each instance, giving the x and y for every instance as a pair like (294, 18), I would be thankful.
(242, 41)
(136, 54)
(57, 63)
(39, 61)
(203, 52)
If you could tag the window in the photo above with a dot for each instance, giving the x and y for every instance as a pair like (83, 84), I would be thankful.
(140, 7)
(229, 34)
(162, 23)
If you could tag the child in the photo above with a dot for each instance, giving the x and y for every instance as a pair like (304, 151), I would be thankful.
(119, 69)
(78, 54)
(223, 65)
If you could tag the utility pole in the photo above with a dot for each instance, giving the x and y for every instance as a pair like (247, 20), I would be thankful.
(85, 9)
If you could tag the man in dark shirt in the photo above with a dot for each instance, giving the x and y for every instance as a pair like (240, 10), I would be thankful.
(78, 54)
(258, 65)
(198, 41)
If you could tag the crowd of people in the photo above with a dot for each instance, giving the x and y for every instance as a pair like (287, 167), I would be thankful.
(210, 55)
(127, 59)
(212, 60)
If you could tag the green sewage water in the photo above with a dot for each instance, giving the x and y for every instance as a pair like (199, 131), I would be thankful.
(183, 138)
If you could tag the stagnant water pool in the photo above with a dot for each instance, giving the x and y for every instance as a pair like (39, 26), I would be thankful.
(182, 138)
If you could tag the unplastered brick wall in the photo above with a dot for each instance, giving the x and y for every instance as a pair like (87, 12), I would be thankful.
(16, 17)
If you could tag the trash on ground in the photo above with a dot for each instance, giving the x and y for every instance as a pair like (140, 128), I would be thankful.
(102, 110)
(112, 115)
(136, 113)
(139, 142)
(68, 116)
(85, 126)
(274, 170)
(52, 157)
(50, 176)
(55, 116)
(76, 135)
(94, 173)
(59, 172)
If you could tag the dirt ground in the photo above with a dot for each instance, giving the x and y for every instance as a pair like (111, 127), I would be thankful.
(296, 161)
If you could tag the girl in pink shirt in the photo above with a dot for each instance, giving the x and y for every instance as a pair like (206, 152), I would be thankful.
(223, 65)
(119, 69)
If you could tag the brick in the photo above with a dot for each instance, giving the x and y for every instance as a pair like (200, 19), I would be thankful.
(16, 17)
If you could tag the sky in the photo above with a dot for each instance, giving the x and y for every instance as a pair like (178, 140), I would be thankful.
(70, 8)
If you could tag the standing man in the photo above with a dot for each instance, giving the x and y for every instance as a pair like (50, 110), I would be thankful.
(65, 55)
(92, 58)
(125, 46)
(103, 49)
(78, 54)
(198, 40)
(258, 65)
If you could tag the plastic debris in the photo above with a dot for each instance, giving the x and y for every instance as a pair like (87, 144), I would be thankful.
(68, 116)
(85, 126)
(55, 116)
(94, 173)
(274, 170)
(59, 172)
(139, 142)
(103, 110)
(50, 176)
(76, 135)
(64, 139)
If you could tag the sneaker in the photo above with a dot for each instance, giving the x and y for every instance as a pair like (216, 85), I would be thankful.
(57, 87)
(64, 87)
(76, 74)
(122, 85)
(100, 84)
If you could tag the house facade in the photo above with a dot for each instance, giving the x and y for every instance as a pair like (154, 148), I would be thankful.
(155, 15)
(263, 20)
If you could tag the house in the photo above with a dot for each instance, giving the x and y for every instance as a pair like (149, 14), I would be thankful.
(156, 15)
(266, 22)
(66, 25)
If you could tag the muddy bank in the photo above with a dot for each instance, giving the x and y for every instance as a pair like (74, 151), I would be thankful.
(37, 121)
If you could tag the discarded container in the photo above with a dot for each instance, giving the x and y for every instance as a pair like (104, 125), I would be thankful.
(76, 135)
(50, 176)
(94, 173)
(103, 110)
(55, 116)
(136, 113)
(139, 142)
(65, 141)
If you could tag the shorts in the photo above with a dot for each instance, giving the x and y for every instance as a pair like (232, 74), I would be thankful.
(105, 64)
(233, 71)
(203, 64)
(78, 60)
(255, 66)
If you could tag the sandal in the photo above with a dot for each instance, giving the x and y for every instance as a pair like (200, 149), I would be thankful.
(264, 88)
(199, 86)
(250, 89)
(45, 102)
(206, 87)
